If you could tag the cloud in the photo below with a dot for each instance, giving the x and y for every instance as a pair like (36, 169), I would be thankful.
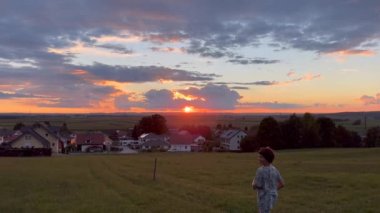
(53, 89)
(253, 61)
(7, 95)
(253, 83)
(30, 31)
(370, 100)
(198, 47)
(291, 73)
(167, 49)
(238, 85)
(270, 105)
(240, 88)
(165, 38)
(354, 52)
(115, 48)
(143, 73)
(305, 77)
(212, 97)
(212, 31)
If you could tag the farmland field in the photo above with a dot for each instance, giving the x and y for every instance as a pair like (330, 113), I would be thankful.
(319, 180)
(85, 122)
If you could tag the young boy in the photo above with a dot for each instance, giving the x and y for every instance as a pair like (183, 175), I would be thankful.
(267, 181)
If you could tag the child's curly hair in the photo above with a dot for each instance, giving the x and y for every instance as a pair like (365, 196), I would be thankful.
(267, 153)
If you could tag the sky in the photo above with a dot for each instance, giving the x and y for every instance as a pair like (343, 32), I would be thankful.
(239, 56)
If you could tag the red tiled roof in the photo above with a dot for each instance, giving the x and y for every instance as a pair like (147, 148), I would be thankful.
(90, 138)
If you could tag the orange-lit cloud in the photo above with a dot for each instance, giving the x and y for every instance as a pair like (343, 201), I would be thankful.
(354, 52)
(370, 100)
(118, 39)
(178, 95)
(79, 72)
(341, 56)
(96, 50)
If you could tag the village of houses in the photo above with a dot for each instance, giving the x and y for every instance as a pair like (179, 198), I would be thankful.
(60, 140)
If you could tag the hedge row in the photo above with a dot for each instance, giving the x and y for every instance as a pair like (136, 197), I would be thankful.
(24, 152)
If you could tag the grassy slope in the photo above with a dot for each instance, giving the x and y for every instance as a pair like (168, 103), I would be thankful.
(330, 180)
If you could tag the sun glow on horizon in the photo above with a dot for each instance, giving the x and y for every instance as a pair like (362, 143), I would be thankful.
(188, 109)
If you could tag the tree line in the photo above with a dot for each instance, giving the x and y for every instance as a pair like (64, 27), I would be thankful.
(307, 131)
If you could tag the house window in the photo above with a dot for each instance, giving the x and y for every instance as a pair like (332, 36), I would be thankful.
(53, 144)
(46, 134)
(185, 147)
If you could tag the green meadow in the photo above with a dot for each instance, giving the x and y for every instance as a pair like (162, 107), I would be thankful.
(323, 180)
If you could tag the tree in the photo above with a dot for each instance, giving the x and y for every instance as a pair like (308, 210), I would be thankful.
(203, 130)
(18, 126)
(309, 137)
(209, 145)
(326, 131)
(150, 124)
(291, 132)
(345, 138)
(135, 132)
(269, 133)
(357, 122)
(373, 137)
(219, 126)
(249, 144)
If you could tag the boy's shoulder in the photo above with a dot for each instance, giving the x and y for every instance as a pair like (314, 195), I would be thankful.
(260, 169)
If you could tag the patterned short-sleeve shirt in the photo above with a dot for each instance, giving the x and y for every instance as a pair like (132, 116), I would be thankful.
(267, 179)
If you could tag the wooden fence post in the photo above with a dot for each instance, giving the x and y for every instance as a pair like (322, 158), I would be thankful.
(155, 168)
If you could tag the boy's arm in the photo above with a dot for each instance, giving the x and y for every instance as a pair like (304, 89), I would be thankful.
(280, 181)
(257, 182)
(280, 185)
(255, 186)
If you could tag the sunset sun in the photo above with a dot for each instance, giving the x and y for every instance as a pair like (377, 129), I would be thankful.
(188, 109)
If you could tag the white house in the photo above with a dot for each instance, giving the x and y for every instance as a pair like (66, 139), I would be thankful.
(231, 139)
(128, 142)
(199, 139)
(155, 145)
(151, 136)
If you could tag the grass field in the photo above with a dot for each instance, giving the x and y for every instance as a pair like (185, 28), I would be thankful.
(325, 180)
